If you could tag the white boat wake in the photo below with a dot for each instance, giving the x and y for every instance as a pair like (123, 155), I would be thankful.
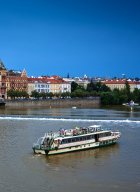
(67, 120)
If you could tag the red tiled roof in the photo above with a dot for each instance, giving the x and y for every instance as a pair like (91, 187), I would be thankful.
(46, 80)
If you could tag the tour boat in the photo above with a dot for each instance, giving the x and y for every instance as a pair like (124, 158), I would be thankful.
(76, 139)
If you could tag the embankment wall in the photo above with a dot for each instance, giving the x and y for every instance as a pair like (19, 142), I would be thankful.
(56, 103)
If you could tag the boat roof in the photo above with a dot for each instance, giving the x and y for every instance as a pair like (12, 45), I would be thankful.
(95, 126)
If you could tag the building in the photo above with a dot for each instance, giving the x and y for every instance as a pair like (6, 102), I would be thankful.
(3, 93)
(52, 84)
(120, 84)
(17, 80)
(58, 85)
(39, 85)
(80, 81)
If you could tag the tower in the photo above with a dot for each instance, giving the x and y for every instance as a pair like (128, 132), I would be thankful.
(24, 73)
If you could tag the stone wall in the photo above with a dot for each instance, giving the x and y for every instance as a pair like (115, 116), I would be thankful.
(56, 103)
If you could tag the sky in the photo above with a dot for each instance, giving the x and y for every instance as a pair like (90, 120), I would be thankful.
(76, 37)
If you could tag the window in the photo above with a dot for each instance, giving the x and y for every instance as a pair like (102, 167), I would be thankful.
(3, 84)
(64, 141)
(80, 138)
(69, 140)
(88, 137)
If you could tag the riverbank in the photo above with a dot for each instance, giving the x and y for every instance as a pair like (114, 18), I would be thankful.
(56, 103)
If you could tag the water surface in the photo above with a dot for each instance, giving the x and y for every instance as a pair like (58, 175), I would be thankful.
(113, 168)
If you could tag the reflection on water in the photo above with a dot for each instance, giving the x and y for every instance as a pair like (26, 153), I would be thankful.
(117, 112)
(79, 156)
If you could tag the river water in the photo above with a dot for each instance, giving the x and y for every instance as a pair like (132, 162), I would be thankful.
(114, 168)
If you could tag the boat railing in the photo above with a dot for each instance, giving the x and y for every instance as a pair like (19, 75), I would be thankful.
(117, 133)
(75, 131)
(79, 131)
(38, 143)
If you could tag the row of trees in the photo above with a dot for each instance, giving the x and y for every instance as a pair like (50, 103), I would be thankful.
(14, 94)
(93, 89)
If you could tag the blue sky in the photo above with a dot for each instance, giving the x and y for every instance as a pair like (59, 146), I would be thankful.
(93, 37)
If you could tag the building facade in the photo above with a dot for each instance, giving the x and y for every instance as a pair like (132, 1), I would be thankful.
(47, 85)
(120, 84)
(17, 80)
(38, 85)
(3, 93)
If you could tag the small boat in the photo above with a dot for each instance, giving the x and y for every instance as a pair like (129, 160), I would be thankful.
(74, 107)
(131, 104)
(76, 139)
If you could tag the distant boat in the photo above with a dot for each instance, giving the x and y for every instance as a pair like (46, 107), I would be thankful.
(74, 107)
(131, 104)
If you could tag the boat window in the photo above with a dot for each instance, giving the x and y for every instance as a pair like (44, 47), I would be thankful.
(77, 139)
(64, 141)
(92, 136)
(69, 140)
(88, 137)
(105, 134)
(73, 139)
(102, 135)
(80, 138)
(83, 138)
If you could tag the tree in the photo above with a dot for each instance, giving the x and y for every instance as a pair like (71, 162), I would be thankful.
(127, 89)
(11, 93)
(78, 93)
(136, 95)
(65, 94)
(24, 94)
(109, 98)
(104, 88)
(74, 86)
(50, 94)
(35, 94)
(17, 94)
(97, 87)
(43, 95)
(91, 87)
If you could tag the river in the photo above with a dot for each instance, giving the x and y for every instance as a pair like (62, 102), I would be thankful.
(114, 168)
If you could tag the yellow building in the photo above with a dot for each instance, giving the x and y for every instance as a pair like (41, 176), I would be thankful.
(120, 84)
(48, 84)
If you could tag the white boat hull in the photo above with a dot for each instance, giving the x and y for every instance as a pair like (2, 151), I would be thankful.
(79, 147)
